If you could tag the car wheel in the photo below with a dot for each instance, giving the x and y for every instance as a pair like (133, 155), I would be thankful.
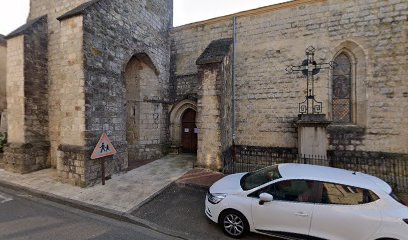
(234, 223)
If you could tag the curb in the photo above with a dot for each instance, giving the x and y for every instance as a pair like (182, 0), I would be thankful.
(178, 182)
(155, 227)
(150, 198)
(120, 216)
(193, 185)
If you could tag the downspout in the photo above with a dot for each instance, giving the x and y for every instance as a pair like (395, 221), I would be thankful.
(234, 47)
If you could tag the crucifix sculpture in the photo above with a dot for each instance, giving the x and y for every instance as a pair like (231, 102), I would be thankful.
(309, 69)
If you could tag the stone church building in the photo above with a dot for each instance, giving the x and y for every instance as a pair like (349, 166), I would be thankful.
(79, 68)
(3, 103)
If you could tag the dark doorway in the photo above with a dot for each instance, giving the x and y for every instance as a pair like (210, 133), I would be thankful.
(189, 131)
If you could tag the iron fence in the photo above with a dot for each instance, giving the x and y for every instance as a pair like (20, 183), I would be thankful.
(245, 159)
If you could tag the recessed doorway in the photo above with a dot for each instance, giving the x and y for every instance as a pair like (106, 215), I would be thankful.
(189, 131)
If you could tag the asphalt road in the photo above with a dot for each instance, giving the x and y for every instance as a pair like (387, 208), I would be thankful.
(181, 208)
(25, 217)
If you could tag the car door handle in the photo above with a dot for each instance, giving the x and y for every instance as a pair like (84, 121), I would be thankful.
(301, 214)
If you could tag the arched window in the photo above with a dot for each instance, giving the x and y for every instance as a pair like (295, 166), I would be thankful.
(342, 90)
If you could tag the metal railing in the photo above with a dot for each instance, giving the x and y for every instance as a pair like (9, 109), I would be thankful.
(244, 159)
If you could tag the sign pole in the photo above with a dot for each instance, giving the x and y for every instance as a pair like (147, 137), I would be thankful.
(103, 170)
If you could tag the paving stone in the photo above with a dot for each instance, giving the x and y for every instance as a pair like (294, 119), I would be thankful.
(122, 193)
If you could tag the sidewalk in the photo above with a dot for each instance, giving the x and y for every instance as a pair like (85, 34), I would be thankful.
(121, 194)
(124, 193)
(200, 177)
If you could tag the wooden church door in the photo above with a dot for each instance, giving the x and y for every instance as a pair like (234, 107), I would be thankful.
(189, 131)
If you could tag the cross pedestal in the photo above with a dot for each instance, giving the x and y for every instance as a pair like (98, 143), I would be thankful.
(312, 135)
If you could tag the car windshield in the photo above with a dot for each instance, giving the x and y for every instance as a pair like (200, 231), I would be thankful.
(255, 179)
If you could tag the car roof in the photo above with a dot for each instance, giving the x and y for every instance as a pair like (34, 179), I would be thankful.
(334, 175)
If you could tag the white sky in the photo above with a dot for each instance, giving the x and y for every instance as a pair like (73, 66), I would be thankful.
(13, 13)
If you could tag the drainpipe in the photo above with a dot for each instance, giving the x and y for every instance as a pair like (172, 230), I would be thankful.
(234, 47)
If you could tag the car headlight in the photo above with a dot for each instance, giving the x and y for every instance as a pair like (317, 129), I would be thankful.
(215, 198)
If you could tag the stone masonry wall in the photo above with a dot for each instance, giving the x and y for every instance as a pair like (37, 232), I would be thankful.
(36, 83)
(53, 9)
(71, 152)
(72, 82)
(15, 85)
(272, 38)
(187, 45)
(209, 150)
(144, 117)
(214, 103)
(226, 103)
(27, 91)
(185, 86)
(3, 73)
(26, 158)
(115, 31)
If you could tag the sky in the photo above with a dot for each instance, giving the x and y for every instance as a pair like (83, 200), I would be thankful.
(13, 13)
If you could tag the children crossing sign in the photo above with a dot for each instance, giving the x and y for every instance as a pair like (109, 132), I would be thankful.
(104, 148)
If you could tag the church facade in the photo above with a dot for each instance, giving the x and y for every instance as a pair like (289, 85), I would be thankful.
(81, 68)
(3, 103)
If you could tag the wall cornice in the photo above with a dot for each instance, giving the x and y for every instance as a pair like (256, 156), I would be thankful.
(257, 11)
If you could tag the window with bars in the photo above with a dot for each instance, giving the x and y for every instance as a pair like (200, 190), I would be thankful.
(341, 90)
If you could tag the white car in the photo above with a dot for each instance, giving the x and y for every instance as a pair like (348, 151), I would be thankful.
(297, 201)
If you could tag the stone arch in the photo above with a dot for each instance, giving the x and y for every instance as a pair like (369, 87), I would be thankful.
(358, 59)
(143, 115)
(176, 115)
(141, 53)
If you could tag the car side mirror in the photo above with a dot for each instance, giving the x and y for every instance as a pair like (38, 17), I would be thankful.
(265, 197)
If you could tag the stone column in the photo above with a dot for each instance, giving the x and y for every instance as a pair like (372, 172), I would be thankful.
(214, 104)
(27, 98)
(312, 135)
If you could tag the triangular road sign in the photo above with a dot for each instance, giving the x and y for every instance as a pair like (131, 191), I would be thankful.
(103, 148)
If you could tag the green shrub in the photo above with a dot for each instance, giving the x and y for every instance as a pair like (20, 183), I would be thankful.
(3, 141)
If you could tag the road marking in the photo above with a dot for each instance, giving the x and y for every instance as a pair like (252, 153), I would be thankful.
(4, 198)
(24, 195)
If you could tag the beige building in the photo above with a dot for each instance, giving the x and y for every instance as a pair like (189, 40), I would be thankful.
(366, 96)
(120, 67)
(3, 58)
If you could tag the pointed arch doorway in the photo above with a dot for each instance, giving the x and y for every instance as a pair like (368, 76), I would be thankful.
(183, 127)
(189, 132)
(142, 117)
